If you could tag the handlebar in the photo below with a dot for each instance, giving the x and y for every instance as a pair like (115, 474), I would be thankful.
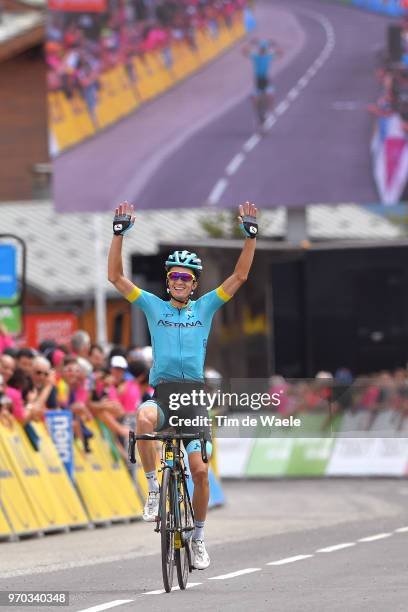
(166, 437)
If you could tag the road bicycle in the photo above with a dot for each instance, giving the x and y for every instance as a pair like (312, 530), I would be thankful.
(175, 521)
(261, 105)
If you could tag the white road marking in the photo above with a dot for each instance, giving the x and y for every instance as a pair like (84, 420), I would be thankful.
(235, 164)
(248, 570)
(303, 82)
(107, 606)
(293, 94)
(401, 530)
(175, 588)
(289, 560)
(217, 192)
(251, 143)
(282, 107)
(378, 536)
(271, 120)
(336, 547)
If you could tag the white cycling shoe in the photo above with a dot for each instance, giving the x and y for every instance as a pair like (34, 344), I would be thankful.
(201, 559)
(151, 509)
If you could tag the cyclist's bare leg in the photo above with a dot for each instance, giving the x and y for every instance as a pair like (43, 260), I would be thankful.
(146, 422)
(201, 496)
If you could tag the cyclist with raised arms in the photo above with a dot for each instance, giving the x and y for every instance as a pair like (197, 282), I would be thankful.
(179, 329)
(262, 53)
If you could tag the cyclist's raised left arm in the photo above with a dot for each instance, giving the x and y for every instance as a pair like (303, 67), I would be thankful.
(249, 227)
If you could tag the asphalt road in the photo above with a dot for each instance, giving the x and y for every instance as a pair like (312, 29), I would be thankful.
(286, 545)
(196, 145)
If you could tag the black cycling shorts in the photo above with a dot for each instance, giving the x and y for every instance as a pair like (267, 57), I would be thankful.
(178, 401)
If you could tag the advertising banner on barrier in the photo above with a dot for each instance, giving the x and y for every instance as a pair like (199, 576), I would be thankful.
(59, 424)
(233, 455)
(362, 444)
(389, 150)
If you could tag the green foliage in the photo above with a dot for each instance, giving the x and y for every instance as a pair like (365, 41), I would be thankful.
(221, 224)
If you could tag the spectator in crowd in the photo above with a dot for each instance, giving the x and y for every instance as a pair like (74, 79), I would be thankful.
(43, 378)
(96, 357)
(24, 409)
(24, 360)
(73, 396)
(80, 344)
(140, 372)
(127, 392)
(6, 406)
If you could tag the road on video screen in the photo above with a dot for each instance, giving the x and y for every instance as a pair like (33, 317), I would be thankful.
(298, 545)
(198, 145)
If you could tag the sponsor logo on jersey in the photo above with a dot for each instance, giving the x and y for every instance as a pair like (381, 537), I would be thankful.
(162, 323)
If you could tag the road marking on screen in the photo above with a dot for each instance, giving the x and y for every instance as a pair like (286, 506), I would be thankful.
(217, 192)
(107, 606)
(248, 570)
(270, 121)
(293, 94)
(282, 107)
(401, 530)
(373, 538)
(289, 560)
(336, 547)
(235, 164)
(251, 142)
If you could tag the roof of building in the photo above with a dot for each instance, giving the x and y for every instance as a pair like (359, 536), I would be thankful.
(61, 253)
(15, 24)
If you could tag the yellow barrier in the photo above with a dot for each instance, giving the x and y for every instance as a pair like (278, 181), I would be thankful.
(69, 120)
(49, 460)
(122, 487)
(43, 502)
(15, 504)
(104, 484)
(5, 529)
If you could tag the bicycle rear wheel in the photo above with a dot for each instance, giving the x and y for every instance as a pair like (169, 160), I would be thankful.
(167, 524)
(183, 535)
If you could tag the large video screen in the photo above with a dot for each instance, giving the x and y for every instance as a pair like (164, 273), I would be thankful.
(190, 103)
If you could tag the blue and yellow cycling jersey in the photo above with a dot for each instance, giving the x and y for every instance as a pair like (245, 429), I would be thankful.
(261, 63)
(179, 335)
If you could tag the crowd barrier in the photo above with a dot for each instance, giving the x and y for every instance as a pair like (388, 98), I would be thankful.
(393, 8)
(70, 121)
(37, 495)
(352, 450)
(389, 153)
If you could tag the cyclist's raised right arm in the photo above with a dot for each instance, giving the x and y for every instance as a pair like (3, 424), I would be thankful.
(123, 221)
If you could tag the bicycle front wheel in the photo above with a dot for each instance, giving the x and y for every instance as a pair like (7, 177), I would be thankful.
(184, 532)
(167, 524)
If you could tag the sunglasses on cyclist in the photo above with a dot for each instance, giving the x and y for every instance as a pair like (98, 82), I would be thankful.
(183, 276)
